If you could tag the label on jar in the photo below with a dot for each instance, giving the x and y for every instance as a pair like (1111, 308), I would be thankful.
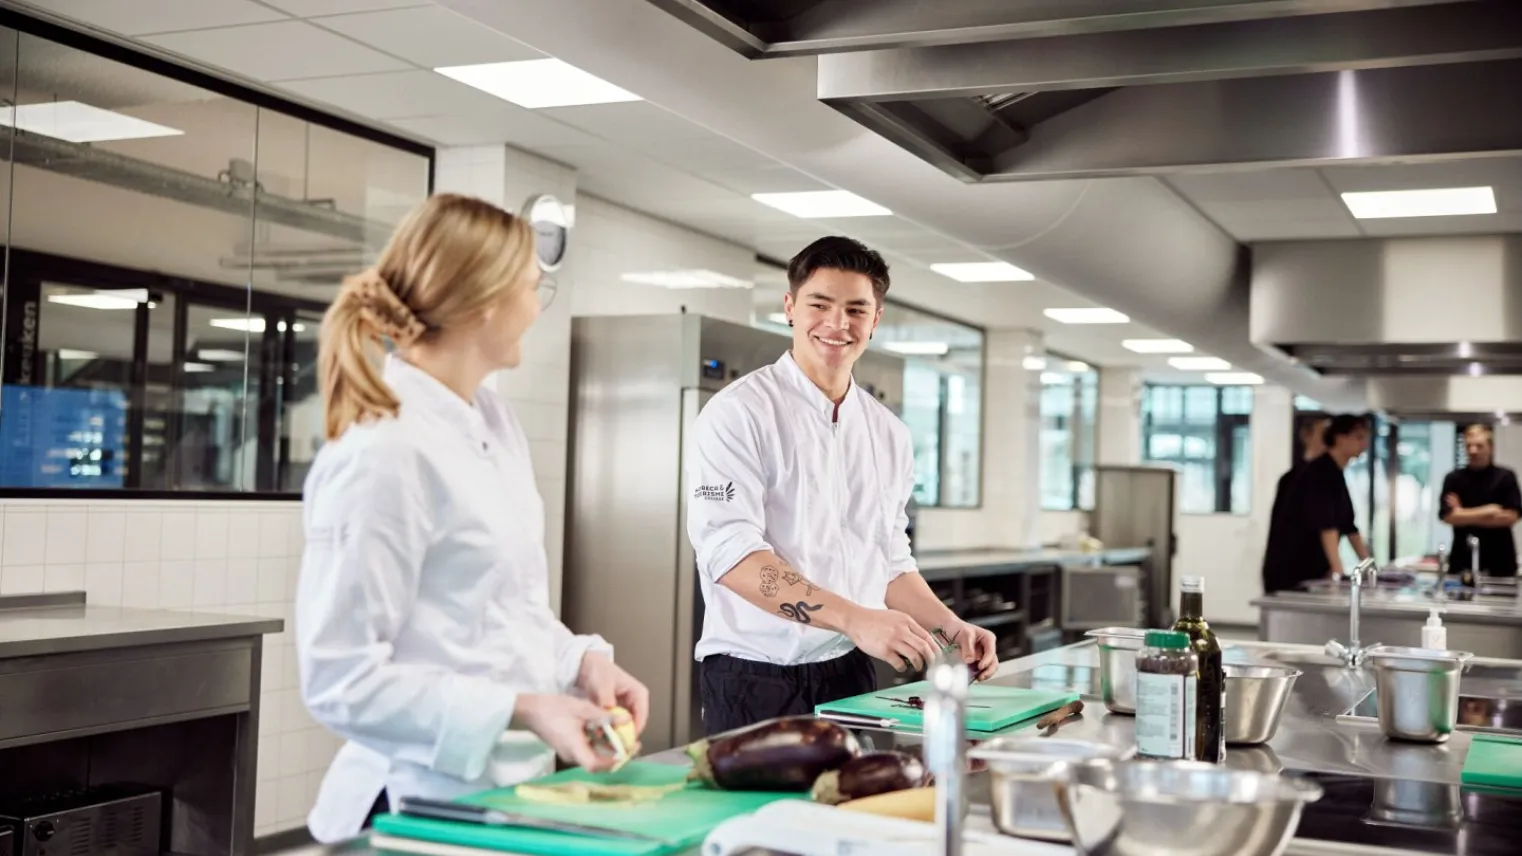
(1165, 715)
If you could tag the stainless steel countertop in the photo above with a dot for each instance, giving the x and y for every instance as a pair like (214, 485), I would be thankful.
(1401, 604)
(33, 625)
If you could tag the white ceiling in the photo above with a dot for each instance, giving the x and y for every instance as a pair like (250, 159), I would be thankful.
(1305, 204)
(372, 58)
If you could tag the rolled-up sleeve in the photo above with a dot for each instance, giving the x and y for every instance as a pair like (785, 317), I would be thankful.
(726, 486)
(368, 527)
(900, 557)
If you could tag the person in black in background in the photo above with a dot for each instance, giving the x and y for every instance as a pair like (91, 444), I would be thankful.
(1312, 442)
(1318, 512)
(1482, 500)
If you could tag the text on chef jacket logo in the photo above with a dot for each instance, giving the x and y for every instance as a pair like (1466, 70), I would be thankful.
(724, 492)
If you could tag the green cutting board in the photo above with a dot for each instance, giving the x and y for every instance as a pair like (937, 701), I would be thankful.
(1494, 761)
(683, 818)
(1004, 706)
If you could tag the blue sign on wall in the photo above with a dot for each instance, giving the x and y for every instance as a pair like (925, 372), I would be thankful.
(62, 437)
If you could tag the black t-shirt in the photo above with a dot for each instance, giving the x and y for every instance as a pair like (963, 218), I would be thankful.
(1476, 487)
(1310, 499)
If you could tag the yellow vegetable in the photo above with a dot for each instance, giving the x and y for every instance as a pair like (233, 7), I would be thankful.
(577, 793)
(625, 730)
(910, 804)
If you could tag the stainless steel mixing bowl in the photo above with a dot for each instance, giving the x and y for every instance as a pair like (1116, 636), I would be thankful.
(1143, 808)
(1255, 697)
(1417, 690)
(1117, 666)
(1024, 771)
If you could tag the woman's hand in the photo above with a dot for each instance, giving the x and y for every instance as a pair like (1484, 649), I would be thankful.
(606, 685)
(561, 721)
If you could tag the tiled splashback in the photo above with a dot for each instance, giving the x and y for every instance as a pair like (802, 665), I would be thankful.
(232, 557)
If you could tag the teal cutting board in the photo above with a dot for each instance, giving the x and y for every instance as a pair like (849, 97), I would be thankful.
(1493, 761)
(683, 818)
(1002, 706)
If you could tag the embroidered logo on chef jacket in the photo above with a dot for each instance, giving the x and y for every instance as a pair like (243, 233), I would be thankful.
(725, 492)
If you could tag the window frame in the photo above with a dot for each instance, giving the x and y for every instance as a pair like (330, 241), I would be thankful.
(42, 25)
(1224, 437)
(1075, 465)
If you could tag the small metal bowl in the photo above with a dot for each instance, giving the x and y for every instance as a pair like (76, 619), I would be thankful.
(1255, 698)
(1117, 666)
(1186, 808)
(1024, 772)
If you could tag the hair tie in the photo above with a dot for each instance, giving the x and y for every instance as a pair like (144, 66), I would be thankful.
(387, 315)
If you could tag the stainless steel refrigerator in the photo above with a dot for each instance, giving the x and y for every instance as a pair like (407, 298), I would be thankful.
(1135, 506)
(637, 384)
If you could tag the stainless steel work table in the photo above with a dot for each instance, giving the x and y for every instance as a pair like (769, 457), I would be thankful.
(96, 695)
(1488, 625)
(1311, 738)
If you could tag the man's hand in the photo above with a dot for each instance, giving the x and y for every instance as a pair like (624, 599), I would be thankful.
(892, 637)
(979, 648)
(1452, 501)
(561, 722)
(607, 685)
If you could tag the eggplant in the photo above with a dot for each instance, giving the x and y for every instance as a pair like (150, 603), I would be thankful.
(869, 775)
(786, 754)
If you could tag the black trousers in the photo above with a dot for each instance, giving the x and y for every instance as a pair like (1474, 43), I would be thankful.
(382, 806)
(736, 693)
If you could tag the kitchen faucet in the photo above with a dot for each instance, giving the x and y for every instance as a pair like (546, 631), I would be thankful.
(1352, 654)
(945, 748)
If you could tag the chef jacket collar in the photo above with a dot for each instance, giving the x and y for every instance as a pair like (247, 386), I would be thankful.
(417, 388)
(811, 393)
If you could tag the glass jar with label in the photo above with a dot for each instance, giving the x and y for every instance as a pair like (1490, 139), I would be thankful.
(1167, 678)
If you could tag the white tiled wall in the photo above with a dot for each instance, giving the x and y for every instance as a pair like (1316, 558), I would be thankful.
(230, 557)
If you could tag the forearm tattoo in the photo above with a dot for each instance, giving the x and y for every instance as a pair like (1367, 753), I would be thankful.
(793, 578)
(799, 611)
(768, 581)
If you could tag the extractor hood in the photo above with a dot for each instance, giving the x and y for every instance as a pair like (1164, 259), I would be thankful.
(1431, 325)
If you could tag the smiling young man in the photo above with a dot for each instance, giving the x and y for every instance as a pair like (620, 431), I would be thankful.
(798, 482)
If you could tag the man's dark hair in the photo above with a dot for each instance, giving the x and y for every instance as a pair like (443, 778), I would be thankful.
(1341, 424)
(838, 253)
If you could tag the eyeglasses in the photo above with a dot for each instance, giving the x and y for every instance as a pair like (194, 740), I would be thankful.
(547, 289)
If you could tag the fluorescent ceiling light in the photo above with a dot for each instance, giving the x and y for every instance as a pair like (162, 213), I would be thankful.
(687, 279)
(1199, 364)
(71, 354)
(924, 349)
(538, 83)
(822, 204)
(1234, 378)
(1033, 364)
(1086, 316)
(198, 368)
(983, 272)
(1076, 366)
(1157, 346)
(251, 325)
(127, 298)
(78, 122)
(777, 317)
(1435, 202)
(220, 355)
(1053, 378)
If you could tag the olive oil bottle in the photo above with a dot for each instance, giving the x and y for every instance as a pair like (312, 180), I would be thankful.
(1210, 707)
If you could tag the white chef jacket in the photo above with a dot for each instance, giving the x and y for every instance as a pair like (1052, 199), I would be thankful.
(773, 466)
(423, 606)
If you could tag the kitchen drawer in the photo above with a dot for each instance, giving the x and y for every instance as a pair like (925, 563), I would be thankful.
(94, 695)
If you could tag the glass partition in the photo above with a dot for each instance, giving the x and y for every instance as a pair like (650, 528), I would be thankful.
(1069, 397)
(171, 245)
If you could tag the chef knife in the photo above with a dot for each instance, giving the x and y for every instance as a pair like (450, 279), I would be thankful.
(441, 810)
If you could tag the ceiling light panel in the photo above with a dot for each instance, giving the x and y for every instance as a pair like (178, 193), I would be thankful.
(78, 122)
(681, 279)
(1234, 378)
(539, 83)
(127, 298)
(822, 204)
(923, 349)
(1199, 364)
(1157, 346)
(1086, 316)
(1434, 202)
(983, 272)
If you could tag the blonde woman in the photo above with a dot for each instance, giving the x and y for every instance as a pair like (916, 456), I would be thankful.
(423, 626)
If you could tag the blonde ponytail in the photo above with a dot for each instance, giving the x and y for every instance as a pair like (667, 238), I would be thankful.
(451, 258)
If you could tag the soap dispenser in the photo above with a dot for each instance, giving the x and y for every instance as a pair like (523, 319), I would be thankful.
(1434, 634)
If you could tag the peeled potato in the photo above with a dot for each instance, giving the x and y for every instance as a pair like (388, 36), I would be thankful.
(590, 792)
(909, 804)
(625, 730)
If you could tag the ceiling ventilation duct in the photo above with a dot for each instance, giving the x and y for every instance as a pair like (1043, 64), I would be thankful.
(1432, 325)
(230, 196)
